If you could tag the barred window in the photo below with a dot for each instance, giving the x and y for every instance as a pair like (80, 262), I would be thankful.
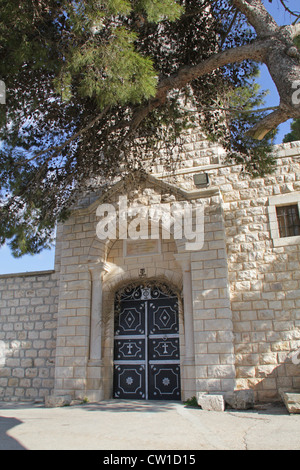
(288, 220)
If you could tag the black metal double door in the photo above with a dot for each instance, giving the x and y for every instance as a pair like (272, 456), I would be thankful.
(146, 346)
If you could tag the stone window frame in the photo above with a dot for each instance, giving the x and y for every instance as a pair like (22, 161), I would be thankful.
(280, 201)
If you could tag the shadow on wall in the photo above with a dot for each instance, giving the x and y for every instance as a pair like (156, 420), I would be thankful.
(265, 304)
(267, 380)
(265, 283)
(266, 327)
(7, 442)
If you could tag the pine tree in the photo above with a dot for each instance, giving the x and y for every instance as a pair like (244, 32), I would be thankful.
(93, 85)
(294, 135)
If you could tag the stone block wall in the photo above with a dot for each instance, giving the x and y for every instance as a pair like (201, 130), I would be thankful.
(245, 289)
(263, 275)
(213, 336)
(211, 367)
(28, 321)
(263, 272)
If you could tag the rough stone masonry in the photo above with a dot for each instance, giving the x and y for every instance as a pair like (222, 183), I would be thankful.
(239, 294)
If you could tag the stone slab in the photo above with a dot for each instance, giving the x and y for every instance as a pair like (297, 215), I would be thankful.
(291, 401)
(240, 399)
(211, 402)
(53, 401)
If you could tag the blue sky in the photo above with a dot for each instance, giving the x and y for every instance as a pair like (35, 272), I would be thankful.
(45, 260)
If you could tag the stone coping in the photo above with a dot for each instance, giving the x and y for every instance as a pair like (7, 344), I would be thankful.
(27, 274)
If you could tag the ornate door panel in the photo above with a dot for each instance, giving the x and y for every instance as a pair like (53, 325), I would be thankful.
(146, 345)
(129, 381)
(164, 382)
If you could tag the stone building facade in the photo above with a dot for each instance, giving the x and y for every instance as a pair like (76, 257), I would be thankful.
(235, 297)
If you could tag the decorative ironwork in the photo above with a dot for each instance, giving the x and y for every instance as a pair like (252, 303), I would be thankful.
(146, 347)
(153, 290)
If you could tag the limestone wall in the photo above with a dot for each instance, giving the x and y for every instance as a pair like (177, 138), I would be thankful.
(263, 271)
(264, 275)
(28, 322)
(244, 318)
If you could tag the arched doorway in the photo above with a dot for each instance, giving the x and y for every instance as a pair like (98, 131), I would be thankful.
(146, 343)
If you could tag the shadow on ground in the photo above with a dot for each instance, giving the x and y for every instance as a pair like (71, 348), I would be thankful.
(140, 406)
(7, 442)
(134, 406)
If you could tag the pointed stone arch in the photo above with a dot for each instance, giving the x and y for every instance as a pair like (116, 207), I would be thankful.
(108, 274)
(99, 249)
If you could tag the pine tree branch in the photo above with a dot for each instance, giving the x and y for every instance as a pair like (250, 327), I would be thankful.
(229, 28)
(293, 13)
(258, 16)
(267, 124)
(57, 149)
(255, 51)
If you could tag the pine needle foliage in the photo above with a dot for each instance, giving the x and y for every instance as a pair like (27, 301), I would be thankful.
(80, 76)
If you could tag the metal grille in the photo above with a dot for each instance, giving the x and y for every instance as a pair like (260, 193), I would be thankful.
(146, 345)
(288, 221)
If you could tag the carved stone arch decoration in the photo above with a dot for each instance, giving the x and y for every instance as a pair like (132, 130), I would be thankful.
(98, 250)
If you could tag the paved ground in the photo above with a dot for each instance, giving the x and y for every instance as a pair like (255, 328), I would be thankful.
(122, 425)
